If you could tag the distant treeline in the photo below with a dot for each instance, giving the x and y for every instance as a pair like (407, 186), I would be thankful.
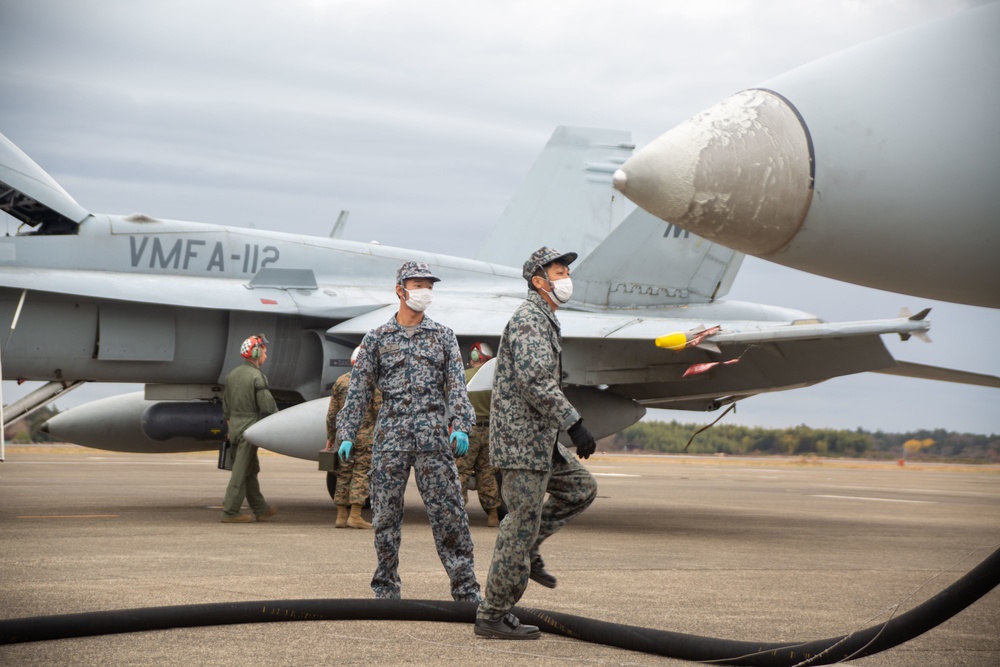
(29, 428)
(936, 445)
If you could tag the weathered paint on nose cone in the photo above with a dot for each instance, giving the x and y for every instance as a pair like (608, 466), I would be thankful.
(739, 173)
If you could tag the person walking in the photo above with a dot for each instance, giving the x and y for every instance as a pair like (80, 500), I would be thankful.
(417, 365)
(246, 398)
(527, 411)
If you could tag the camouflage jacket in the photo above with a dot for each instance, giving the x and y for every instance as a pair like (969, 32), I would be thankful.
(528, 407)
(421, 381)
(246, 398)
(337, 399)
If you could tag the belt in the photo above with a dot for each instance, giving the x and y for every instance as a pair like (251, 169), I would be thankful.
(482, 422)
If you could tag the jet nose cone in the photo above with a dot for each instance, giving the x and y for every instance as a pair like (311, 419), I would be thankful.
(298, 431)
(739, 173)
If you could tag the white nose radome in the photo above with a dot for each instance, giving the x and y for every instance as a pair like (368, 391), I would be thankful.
(738, 173)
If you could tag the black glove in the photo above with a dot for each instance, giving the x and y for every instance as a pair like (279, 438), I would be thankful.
(583, 439)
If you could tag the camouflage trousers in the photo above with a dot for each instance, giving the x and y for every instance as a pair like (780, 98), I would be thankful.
(529, 522)
(477, 461)
(437, 481)
(243, 481)
(352, 476)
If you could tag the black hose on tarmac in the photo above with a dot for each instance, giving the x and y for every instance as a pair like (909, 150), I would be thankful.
(975, 584)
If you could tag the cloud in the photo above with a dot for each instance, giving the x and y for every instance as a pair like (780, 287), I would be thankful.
(423, 118)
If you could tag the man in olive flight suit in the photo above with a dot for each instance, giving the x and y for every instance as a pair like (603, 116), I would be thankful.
(417, 365)
(527, 411)
(246, 398)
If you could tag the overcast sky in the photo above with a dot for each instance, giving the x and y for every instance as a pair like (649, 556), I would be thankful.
(422, 118)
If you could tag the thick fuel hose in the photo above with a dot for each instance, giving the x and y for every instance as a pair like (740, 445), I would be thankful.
(975, 584)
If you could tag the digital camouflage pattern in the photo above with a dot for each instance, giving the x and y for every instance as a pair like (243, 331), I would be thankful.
(477, 462)
(527, 411)
(543, 257)
(245, 399)
(352, 475)
(529, 522)
(437, 481)
(528, 407)
(421, 380)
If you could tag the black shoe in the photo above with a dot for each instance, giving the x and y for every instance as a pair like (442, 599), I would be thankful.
(539, 575)
(507, 627)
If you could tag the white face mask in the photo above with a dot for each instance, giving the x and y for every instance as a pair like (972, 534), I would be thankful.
(562, 289)
(419, 299)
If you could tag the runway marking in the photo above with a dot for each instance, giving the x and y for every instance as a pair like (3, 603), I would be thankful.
(613, 474)
(68, 516)
(883, 500)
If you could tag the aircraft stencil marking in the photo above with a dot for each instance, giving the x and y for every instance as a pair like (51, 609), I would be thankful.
(254, 257)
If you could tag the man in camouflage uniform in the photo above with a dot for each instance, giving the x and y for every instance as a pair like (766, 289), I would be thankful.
(417, 364)
(352, 473)
(527, 411)
(245, 400)
(477, 460)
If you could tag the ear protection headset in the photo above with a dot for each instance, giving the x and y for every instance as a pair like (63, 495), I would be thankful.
(480, 352)
(252, 346)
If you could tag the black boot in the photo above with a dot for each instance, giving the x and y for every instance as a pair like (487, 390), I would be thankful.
(508, 627)
(539, 575)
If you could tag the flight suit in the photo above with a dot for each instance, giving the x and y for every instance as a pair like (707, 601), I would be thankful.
(421, 380)
(352, 475)
(527, 411)
(244, 402)
(477, 459)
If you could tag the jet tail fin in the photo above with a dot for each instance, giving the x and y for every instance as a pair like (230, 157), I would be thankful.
(566, 201)
(644, 263)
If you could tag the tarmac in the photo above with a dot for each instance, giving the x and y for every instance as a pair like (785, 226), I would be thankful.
(745, 549)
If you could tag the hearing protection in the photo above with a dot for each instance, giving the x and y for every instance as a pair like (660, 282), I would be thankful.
(252, 347)
(480, 352)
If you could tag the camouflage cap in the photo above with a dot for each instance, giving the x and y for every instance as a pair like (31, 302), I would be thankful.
(414, 270)
(544, 256)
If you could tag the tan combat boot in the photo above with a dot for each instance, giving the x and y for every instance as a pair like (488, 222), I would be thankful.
(341, 517)
(356, 520)
(492, 520)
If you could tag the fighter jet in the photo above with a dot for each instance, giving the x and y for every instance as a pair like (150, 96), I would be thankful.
(133, 298)
(877, 165)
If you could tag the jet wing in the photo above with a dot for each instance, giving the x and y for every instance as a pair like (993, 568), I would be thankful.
(256, 294)
(910, 369)
(618, 351)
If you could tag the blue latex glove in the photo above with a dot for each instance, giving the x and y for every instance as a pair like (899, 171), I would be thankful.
(345, 450)
(461, 442)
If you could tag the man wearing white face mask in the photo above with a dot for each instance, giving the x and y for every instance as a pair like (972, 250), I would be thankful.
(417, 365)
(527, 411)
